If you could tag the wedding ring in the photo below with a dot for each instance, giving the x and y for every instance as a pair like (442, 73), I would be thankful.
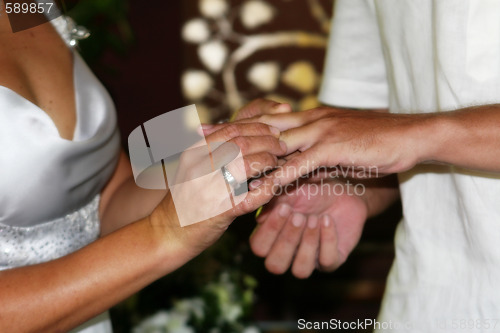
(229, 178)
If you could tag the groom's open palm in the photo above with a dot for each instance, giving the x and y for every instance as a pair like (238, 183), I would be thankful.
(309, 226)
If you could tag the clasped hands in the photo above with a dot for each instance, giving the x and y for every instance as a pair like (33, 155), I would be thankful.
(317, 221)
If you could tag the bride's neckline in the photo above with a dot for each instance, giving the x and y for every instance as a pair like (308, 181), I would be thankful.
(43, 113)
(70, 136)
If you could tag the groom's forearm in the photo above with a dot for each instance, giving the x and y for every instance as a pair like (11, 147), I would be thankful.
(380, 193)
(467, 138)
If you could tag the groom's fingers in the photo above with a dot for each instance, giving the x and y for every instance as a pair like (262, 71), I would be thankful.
(226, 132)
(328, 258)
(305, 260)
(280, 258)
(282, 121)
(259, 107)
(266, 233)
(301, 138)
(289, 120)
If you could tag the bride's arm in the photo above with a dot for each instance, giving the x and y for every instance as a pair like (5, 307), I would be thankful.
(122, 201)
(59, 295)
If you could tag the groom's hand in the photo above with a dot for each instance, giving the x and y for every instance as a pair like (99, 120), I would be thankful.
(357, 140)
(312, 225)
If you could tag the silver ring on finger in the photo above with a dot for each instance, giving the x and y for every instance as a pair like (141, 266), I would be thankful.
(230, 180)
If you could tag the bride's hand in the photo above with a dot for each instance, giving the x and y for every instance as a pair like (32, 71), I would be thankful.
(202, 190)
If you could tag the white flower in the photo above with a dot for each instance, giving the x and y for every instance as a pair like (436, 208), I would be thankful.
(183, 329)
(231, 312)
(213, 8)
(163, 321)
(255, 13)
(264, 75)
(177, 323)
(213, 54)
(155, 323)
(196, 31)
(195, 305)
(196, 84)
(251, 329)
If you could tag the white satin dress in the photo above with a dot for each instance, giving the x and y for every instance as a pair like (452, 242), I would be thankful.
(49, 186)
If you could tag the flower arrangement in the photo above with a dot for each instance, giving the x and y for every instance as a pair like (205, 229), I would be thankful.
(222, 307)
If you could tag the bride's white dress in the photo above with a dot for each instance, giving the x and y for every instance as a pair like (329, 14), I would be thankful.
(49, 186)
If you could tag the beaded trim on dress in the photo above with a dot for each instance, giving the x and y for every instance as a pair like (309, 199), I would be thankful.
(22, 246)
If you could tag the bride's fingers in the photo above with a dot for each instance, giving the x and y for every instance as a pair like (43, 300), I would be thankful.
(253, 199)
(257, 144)
(243, 168)
(258, 154)
(305, 259)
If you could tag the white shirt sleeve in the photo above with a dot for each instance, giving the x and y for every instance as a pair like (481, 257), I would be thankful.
(355, 74)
